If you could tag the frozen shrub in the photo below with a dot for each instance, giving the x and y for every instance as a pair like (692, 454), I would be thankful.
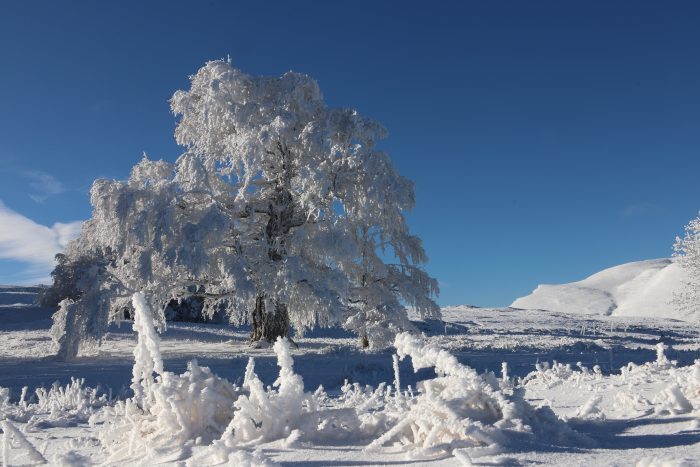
(65, 336)
(16, 449)
(461, 410)
(285, 411)
(591, 409)
(147, 358)
(672, 401)
(264, 415)
(167, 410)
(58, 406)
(68, 404)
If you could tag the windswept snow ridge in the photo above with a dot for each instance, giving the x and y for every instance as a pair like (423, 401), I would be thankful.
(642, 288)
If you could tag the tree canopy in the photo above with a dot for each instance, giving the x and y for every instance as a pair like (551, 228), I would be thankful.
(281, 210)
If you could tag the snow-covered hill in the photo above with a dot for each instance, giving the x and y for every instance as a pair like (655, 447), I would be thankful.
(18, 296)
(641, 288)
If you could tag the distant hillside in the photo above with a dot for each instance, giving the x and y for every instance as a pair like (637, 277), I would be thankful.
(642, 288)
(18, 296)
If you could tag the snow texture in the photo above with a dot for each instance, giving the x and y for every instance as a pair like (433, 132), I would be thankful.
(486, 389)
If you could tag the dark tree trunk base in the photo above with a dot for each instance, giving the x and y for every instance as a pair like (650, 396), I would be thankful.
(269, 325)
(364, 343)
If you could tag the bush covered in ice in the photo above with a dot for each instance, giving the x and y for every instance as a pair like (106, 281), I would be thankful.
(57, 406)
(166, 410)
(198, 412)
(459, 409)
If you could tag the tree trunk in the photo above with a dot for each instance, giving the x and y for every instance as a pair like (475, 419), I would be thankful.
(269, 325)
(364, 342)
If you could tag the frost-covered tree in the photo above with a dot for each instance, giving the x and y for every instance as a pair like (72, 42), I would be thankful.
(307, 176)
(281, 211)
(687, 254)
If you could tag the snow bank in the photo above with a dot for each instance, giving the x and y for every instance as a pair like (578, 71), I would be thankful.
(642, 288)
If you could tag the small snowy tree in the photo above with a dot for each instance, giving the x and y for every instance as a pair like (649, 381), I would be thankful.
(687, 254)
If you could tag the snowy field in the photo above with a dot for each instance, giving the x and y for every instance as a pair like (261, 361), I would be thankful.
(616, 396)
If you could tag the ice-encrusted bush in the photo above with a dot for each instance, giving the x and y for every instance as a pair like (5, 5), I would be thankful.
(68, 404)
(57, 406)
(206, 419)
(674, 397)
(193, 407)
(682, 393)
(65, 336)
(263, 415)
(285, 411)
(147, 357)
(16, 449)
(461, 410)
(166, 410)
(549, 376)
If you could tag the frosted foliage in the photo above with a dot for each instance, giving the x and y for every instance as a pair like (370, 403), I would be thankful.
(679, 393)
(16, 449)
(197, 418)
(147, 358)
(57, 406)
(687, 254)
(148, 234)
(460, 410)
(67, 404)
(166, 410)
(310, 179)
(194, 405)
(264, 415)
(65, 336)
(376, 310)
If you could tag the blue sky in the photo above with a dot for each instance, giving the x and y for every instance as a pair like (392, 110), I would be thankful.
(547, 140)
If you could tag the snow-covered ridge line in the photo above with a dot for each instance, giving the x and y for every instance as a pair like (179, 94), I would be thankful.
(640, 288)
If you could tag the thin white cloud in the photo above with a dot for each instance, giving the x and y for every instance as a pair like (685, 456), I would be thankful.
(642, 209)
(43, 185)
(35, 245)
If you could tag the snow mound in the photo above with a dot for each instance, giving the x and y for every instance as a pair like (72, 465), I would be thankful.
(641, 288)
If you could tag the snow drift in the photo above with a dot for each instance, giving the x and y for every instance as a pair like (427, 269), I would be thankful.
(641, 288)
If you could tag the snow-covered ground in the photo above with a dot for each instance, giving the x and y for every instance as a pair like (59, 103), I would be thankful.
(641, 288)
(647, 413)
